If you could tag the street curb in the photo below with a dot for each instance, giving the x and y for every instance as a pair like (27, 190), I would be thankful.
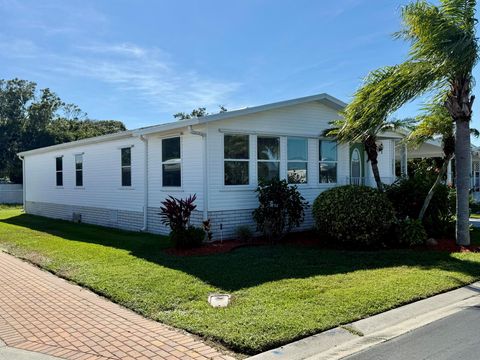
(346, 340)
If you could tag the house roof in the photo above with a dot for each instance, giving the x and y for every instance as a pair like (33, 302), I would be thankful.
(178, 124)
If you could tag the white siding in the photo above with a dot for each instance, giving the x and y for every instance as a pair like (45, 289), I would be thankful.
(192, 169)
(308, 119)
(101, 177)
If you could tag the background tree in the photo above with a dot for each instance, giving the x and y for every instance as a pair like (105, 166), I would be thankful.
(31, 119)
(443, 52)
(196, 113)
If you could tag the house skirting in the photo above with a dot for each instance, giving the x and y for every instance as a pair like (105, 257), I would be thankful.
(223, 223)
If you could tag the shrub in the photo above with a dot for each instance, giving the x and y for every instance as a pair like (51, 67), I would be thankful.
(356, 215)
(408, 194)
(281, 208)
(187, 238)
(244, 233)
(176, 214)
(410, 232)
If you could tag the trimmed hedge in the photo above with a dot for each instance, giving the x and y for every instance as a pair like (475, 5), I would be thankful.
(356, 215)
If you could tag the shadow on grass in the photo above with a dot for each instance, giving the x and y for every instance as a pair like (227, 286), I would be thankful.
(250, 266)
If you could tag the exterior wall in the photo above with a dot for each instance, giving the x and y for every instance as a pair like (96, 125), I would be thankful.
(11, 194)
(191, 173)
(101, 177)
(103, 201)
(305, 120)
(122, 219)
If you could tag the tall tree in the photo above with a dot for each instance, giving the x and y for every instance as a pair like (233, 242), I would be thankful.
(31, 119)
(443, 52)
(435, 121)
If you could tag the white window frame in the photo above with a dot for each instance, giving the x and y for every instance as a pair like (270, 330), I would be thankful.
(59, 171)
(279, 160)
(327, 162)
(76, 170)
(239, 160)
(126, 166)
(299, 161)
(180, 161)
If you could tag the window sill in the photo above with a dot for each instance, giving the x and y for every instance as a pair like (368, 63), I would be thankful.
(227, 188)
(126, 188)
(79, 187)
(172, 189)
(59, 187)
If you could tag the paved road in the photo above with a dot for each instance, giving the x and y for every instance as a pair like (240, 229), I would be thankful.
(454, 337)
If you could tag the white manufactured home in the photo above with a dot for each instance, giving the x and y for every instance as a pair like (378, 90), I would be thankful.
(119, 180)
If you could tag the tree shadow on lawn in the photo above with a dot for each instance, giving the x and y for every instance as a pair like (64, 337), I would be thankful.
(249, 266)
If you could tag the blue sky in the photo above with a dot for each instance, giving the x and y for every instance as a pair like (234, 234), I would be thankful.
(141, 61)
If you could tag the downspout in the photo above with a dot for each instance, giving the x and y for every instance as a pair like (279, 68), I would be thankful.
(24, 184)
(205, 170)
(145, 183)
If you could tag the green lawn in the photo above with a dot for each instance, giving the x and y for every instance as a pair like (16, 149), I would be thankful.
(281, 293)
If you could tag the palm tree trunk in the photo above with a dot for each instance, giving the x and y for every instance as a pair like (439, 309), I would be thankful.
(431, 192)
(462, 180)
(459, 104)
(372, 155)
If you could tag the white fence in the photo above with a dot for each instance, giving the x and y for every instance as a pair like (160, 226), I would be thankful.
(11, 194)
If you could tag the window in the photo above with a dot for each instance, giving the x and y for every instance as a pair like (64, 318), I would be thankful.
(297, 159)
(268, 158)
(236, 157)
(328, 162)
(171, 162)
(59, 170)
(126, 154)
(79, 170)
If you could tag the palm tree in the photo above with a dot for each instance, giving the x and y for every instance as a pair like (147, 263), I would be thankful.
(436, 120)
(443, 52)
(350, 132)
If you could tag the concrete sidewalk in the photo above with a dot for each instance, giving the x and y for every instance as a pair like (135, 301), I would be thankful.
(10, 353)
(346, 340)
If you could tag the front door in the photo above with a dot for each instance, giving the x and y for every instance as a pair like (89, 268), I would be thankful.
(357, 171)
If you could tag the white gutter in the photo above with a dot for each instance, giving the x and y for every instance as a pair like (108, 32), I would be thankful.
(205, 170)
(24, 184)
(145, 183)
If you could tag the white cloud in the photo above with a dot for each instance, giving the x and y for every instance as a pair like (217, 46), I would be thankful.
(146, 74)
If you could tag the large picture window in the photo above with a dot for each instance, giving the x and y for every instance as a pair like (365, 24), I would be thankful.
(171, 162)
(297, 159)
(79, 170)
(236, 156)
(59, 170)
(126, 154)
(328, 162)
(268, 158)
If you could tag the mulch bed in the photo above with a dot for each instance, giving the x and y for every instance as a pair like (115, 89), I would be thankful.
(302, 239)
(218, 247)
(449, 245)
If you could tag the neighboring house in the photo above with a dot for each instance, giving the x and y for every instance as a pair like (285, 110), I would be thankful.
(119, 180)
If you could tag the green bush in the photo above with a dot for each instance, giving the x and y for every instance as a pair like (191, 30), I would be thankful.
(281, 207)
(188, 237)
(244, 233)
(356, 215)
(408, 194)
(410, 232)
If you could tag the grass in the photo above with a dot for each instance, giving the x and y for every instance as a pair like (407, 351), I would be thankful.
(281, 293)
